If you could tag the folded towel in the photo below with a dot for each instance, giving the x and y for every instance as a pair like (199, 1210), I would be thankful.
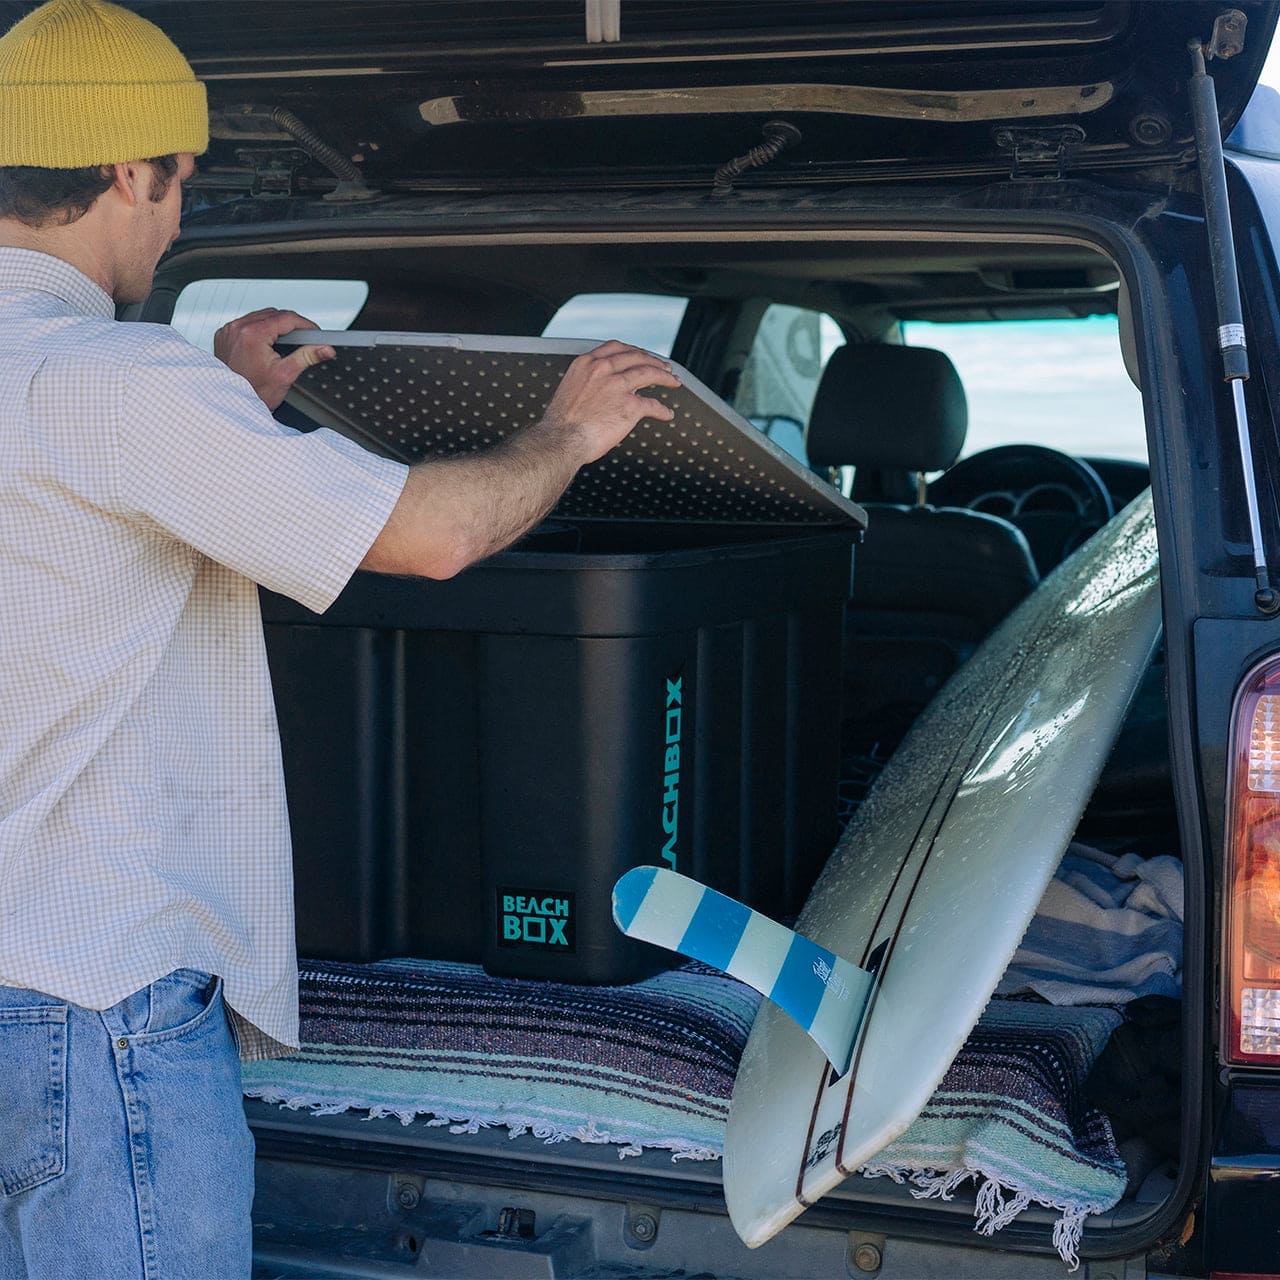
(1108, 930)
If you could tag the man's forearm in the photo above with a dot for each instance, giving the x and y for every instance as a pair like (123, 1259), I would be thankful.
(455, 511)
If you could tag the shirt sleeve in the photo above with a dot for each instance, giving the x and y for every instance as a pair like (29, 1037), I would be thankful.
(200, 455)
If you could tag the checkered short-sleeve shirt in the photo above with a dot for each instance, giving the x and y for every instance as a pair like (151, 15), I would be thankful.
(144, 491)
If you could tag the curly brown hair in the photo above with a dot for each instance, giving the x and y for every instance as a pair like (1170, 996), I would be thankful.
(40, 197)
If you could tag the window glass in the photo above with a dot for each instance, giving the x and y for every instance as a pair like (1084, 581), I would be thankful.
(780, 377)
(204, 306)
(645, 320)
(1057, 383)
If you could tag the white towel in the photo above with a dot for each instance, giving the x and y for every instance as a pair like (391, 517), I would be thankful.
(1108, 930)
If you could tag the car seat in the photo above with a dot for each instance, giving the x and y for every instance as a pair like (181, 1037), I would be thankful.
(929, 582)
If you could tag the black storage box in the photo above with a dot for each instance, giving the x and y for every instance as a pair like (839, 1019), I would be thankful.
(472, 764)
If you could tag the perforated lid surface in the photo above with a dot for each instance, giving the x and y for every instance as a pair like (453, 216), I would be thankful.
(413, 396)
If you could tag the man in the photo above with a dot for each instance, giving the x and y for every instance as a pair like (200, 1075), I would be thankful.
(144, 490)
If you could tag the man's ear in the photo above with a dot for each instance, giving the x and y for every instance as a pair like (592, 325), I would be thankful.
(130, 181)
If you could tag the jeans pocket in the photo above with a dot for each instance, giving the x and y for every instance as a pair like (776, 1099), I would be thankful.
(33, 1096)
(180, 1003)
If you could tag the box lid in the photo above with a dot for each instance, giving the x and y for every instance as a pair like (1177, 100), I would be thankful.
(411, 396)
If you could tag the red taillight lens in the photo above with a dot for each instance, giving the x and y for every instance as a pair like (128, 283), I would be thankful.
(1251, 960)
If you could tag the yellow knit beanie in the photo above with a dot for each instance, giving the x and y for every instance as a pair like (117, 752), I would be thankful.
(83, 82)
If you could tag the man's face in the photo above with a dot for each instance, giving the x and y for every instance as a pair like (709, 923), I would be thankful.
(154, 227)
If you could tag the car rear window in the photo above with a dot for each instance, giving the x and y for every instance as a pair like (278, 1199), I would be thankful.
(204, 306)
(645, 320)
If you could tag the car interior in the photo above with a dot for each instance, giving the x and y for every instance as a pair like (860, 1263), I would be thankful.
(957, 536)
(828, 343)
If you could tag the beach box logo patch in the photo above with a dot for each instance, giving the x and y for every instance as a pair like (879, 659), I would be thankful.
(535, 918)
(673, 729)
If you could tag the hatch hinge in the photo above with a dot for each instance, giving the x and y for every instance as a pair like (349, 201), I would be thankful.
(1040, 155)
(1227, 39)
(274, 169)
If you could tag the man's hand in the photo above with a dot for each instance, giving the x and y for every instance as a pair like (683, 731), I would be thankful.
(245, 346)
(599, 396)
(455, 511)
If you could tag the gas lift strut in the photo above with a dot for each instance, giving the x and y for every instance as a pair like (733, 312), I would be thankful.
(1227, 41)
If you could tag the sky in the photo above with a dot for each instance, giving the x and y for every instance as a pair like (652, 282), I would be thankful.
(1271, 72)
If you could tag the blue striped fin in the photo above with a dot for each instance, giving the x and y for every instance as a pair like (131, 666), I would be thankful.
(823, 992)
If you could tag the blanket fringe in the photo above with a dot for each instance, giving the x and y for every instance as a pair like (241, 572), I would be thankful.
(996, 1204)
(993, 1211)
(516, 1126)
(1067, 1232)
(938, 1186)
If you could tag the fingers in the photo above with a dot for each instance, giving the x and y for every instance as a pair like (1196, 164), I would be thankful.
(621, 355)
(600, 395)
(650, 408)
(278, 323)
(653, 378)
(630, 368)
(287, 321)
(612, 347)
(250, 316)
(273, 322)
(247, 346)
(635, 374)
(629, 355)
(248, 321)
(302, 358)
(636, 366)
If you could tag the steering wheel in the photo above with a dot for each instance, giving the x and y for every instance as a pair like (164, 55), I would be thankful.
(1056, 500)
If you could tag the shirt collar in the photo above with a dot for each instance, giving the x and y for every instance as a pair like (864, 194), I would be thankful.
(28, 269)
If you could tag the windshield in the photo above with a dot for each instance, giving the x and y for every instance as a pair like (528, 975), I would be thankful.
(1057, 383)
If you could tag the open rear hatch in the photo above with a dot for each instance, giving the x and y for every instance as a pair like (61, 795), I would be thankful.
(357, 97)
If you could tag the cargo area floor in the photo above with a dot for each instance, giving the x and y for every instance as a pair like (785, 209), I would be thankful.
(336, 1189)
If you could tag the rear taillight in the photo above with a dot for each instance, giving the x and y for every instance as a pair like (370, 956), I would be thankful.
(1251, 960)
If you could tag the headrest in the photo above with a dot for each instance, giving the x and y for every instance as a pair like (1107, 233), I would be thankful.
(880, 406)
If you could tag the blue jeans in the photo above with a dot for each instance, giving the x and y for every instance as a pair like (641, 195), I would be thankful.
(124, 1150)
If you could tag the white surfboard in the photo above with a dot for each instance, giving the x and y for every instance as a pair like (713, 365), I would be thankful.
(941, 870)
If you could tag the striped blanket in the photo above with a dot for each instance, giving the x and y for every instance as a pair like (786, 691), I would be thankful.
(645, 1066)
(1010, 1116)
(651, 1066)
